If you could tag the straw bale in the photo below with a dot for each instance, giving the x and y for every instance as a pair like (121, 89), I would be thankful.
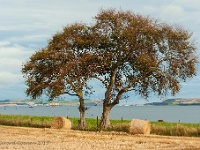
(139, 127)
(61, 123)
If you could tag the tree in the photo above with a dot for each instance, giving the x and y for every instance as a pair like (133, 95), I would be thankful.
(125, 51)
(142, 55)
(63, 67)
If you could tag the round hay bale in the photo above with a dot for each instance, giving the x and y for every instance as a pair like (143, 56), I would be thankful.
(61, 123)
(139, 127)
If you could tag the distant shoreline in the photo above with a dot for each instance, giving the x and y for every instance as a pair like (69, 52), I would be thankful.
(177, 102)
(88, 102)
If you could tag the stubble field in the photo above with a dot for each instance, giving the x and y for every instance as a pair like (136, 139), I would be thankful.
(51, 139)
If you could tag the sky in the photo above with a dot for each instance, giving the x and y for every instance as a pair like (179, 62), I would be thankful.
(26, 26)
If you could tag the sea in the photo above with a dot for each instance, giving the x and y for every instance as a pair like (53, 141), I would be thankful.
(186, 114)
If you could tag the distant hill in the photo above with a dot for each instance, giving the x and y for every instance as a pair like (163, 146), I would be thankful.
(28, 101)
(177, 101)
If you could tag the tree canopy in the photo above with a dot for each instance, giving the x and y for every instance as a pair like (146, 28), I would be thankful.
(63, 67)
(155, 56)
(144, 56)
(125, 51)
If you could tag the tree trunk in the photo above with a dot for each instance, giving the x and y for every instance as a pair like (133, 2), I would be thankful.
(105, 118)
(82, 122)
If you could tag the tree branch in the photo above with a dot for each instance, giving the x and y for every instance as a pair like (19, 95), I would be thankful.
(102, 81)
(71, 94)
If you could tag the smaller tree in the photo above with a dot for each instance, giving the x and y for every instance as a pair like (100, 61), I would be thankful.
(64, 67)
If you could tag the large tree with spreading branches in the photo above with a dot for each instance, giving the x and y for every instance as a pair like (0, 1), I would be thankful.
(125, 51)
(143, 55)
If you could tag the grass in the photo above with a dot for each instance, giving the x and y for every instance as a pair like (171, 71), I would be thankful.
(157, 128)
(26, 121)
(175, 129)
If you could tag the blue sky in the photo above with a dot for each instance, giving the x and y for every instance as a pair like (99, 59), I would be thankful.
(26, 26)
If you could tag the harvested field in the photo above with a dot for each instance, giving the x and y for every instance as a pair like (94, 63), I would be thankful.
(51, 139)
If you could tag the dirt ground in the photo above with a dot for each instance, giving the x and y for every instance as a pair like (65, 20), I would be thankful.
(53, 139)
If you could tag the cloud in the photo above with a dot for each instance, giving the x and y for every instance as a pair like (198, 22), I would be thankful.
(11, 59)
(29, 38)
(11, 65)
(4, 43)
(171, 13)
(8, 78)
(8, 50)
(42, 16)
(186, 3)
(12, 91)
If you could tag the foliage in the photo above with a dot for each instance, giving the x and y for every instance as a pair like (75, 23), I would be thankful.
(60, 67)
(125, 51)
(63, 67)
(142, 55)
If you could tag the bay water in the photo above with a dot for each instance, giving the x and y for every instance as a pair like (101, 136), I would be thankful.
(189, 114)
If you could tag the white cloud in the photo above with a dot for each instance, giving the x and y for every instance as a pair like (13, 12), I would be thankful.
(11, 59)
(7, 78)
(44, 15)
(187, 3)
(8, 50)
(11, 65)
(169, 13)
(172, 12)
(4, 43)
(29, 38)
